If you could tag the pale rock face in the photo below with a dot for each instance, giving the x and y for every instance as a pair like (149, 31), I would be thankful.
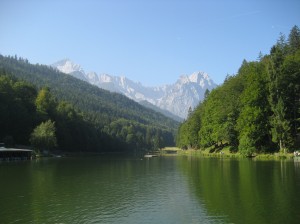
(67, 66)
(176, 98)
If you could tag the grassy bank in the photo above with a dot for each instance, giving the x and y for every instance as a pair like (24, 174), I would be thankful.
(225, 153)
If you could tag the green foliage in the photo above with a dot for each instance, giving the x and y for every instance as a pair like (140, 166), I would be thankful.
(254, 109)
(294, 39)
(252, 122)
(17, 109)
(290, 90)
(246, 146)
(280, 127)
(44, 102)
(43, 136)
(219, 114)
(98, 105)
(139, 136)
(86, 118)
(188, 132)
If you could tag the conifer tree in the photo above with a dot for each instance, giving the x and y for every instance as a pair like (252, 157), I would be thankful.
(294, 39)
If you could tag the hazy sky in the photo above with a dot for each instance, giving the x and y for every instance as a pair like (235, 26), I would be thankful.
(153, 41)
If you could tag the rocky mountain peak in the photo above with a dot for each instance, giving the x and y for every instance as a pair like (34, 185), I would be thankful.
(67, 66)
(200, 78)
(176, 98)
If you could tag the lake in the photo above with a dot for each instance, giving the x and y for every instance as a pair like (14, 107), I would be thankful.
(174, 189)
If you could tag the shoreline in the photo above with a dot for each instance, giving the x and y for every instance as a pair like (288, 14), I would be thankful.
(225, 153)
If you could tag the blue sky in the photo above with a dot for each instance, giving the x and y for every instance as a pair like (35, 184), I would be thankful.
(153, 42)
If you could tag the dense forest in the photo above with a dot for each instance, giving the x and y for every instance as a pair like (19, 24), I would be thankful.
(51, 110)
(256, 110)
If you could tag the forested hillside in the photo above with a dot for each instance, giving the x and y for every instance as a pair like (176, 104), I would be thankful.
(85, 117)
(256, 110)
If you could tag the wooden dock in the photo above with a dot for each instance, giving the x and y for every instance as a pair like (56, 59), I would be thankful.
(8, 154)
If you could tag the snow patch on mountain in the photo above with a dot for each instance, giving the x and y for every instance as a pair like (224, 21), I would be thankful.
(176, 98)
(67, 66)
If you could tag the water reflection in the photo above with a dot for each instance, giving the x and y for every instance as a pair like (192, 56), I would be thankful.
(246, 191)
(159, 190)
(297, 162)
(98, 190)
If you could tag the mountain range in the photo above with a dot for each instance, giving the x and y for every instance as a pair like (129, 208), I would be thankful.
(173, 100)
(87, 118)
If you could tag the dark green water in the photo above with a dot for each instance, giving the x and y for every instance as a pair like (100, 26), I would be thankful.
(156, 190)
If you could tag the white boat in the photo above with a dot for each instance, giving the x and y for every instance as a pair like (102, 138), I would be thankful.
(149, 156)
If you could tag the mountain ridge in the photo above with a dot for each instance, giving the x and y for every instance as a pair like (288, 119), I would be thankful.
(105, 121)
(177, 98)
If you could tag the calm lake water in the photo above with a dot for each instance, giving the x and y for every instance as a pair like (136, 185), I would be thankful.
(155, 190)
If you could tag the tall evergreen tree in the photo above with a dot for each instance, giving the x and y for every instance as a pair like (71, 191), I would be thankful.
(294, 39)
(280, 127)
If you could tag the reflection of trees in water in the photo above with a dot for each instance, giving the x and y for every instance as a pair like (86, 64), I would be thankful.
(297, 164)
(246, 191)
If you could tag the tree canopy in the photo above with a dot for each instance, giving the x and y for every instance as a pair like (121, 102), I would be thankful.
(43, 136)
(256, 110)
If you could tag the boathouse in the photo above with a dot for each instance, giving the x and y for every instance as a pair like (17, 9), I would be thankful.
(14, 154)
